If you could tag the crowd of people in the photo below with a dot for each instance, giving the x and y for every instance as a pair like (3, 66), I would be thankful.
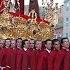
(18, 54)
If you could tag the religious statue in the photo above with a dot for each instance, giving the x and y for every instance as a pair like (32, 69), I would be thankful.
(11, 6)
(33, 14)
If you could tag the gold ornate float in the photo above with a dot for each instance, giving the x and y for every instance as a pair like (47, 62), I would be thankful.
(15, 27)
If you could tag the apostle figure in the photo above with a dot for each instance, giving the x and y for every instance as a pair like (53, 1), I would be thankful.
(33, 4)
(19, 6)
(1, 6)
(11, 7)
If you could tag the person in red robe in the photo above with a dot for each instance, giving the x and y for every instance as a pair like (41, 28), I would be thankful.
(2, 44)
(67, 61)
(25, 55)
(67, 56)
(13, 54)
(43, 60)
(52, 56)
(3, 56)
(19, 54)
(30, 52)
(7, 54)
(59, 60)
(35, 55)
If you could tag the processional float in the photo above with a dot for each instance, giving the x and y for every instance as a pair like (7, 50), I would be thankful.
(17, 25)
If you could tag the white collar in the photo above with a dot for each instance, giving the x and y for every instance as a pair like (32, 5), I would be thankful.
(65, 49)
(25, 49)
(49, 51)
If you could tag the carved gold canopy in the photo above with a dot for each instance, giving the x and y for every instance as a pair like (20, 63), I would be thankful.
(15, 27)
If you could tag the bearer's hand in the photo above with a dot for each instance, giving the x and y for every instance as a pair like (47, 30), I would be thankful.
(8, 66)
(3, 68)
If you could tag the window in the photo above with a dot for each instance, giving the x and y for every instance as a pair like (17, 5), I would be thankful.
(66, 34)
(67, 19)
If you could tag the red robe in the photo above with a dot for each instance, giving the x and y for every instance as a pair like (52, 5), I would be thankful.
(19, 59)
(35, 58)
(13, 58)
(8, 58)
(25, 60)
(1, 57)
(67, 61)
(51, 59)
(59, 60)
(43, 61)
(29, 54)
(4, 58)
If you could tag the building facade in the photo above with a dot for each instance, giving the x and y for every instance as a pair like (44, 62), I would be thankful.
(66, 24)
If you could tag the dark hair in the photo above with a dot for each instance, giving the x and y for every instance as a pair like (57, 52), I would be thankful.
(36, 41)
(13, 39)
(19, 38)
(43, 45)
(4, 43)
(23, 42)
(64, 39)
(31, 39)
(8, 39)
(41, 42)
(55, 40)
(47, 41)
